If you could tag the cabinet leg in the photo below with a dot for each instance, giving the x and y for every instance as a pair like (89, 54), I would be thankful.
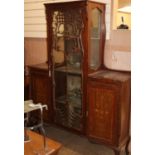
(126, 147)
(117, 152)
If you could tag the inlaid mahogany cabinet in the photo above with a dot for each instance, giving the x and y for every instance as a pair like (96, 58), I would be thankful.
(108, 116)
(75, 42)
(40, 88)
(82, 95)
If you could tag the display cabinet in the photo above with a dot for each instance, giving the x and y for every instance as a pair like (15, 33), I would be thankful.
(108, 116)
(82, 95)
(75, 41)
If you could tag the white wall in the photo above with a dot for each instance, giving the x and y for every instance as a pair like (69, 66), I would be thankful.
(35, 21)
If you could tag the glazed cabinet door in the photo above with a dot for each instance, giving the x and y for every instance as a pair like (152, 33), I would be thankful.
(66, 26)
(75, 39)
(96, 29)
(40, 92)
(102, 112)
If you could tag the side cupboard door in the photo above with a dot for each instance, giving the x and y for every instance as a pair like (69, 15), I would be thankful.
(102, 112)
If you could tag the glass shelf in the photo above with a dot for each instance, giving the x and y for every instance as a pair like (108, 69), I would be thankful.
(95, 38)
(74, 101)
(66, 36)
(61, 99)
(68, 69)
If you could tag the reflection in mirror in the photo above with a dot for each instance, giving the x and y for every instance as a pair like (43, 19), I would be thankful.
(94, 59)
(122, 14)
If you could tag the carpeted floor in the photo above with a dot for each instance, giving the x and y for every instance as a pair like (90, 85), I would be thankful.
(76, 145)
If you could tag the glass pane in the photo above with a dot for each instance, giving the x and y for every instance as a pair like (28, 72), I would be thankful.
(67, 51)
(74, 101)
(95, 59)
(58, 38)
